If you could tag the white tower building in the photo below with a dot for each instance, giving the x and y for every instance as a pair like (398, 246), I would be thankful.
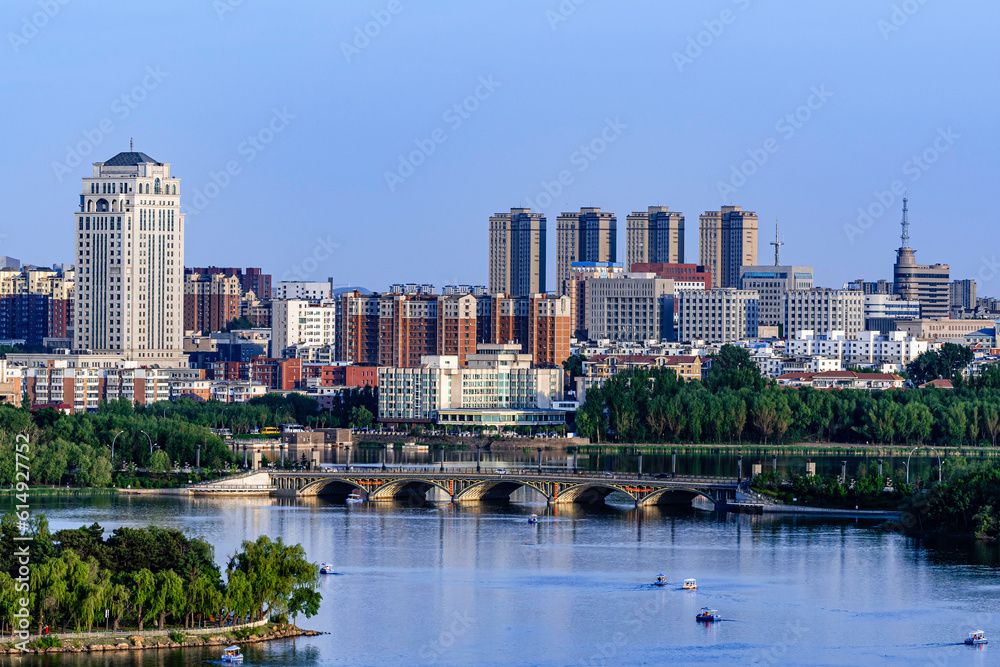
(130, 262)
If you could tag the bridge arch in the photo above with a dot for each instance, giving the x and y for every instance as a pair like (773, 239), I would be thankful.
(498, 490)
(331, 487)
(670, 496)
(588, 493)
(413, 490)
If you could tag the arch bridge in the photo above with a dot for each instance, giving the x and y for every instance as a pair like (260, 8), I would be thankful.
(421, 486)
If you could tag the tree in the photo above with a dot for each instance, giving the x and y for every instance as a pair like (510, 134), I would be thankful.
(273, 570)
(143, 590)
(948, 362)
(240, 322)
(573, 365)
(304, 600)
(732, 367)
(160, 462)
(361, 417)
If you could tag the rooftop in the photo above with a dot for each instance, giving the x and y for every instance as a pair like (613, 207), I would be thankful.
(129, 159)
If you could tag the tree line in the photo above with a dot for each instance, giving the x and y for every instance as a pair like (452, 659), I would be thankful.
(149, 575)
(735, 404)
(76, 449)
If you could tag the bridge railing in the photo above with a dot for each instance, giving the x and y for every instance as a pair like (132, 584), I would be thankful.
(435, 471)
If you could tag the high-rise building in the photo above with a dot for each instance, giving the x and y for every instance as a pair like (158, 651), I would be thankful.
(635, 307)
(771, 282)
(251, 279)
(926, 283)
(211, 301)
(517, 252)
(588, 236)
(823, 310)
(130, 261)
(962, 294)
(576, 290)
(655, 236)
(721, 315)
(727, 241)
(870, 287)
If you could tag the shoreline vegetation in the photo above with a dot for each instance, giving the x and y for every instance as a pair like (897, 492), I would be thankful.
(131, 641)
(141, 577)
(734, 403)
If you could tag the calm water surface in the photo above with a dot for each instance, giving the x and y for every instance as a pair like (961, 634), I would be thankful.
(475, 584)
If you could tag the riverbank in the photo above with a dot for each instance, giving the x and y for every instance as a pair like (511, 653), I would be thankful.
(124, 641)
(805, 448)
(781, 508)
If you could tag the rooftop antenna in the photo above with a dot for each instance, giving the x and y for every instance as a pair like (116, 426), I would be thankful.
(906, 225)
(777, 245)
(130, 149)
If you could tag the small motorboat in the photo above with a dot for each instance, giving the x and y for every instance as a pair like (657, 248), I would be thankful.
(975, 638)
(354, 498)
(660, 581)
(232, 654)
(708, 615)
(690, 585)
(533, 518)
(326, 568)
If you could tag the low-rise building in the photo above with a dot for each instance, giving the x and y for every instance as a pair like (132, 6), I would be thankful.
(498, 377)
(599, 369)
(841, 380)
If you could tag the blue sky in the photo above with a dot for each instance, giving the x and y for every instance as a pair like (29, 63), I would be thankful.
(321, 151)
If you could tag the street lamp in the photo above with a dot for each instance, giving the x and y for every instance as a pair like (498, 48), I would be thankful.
(149, 440)
(113, 448)
(940, 477)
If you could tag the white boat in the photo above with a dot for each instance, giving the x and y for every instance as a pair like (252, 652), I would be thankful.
(977, 637)
(326, 568)
(660, 581)
(355, 498)
(232, 654)
(690, 585)
(533, 518)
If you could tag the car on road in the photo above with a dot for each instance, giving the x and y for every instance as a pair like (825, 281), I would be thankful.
(501, 471)
(662, 475)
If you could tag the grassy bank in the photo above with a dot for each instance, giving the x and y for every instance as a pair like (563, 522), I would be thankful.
(36, 491)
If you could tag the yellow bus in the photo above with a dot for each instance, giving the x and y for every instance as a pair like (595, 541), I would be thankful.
(270, 430)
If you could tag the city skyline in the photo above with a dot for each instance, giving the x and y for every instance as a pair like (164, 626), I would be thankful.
(787, 155)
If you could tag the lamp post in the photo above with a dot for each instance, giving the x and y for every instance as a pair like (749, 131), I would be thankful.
(113, 448)
(479, 457)
(739, 468)
(539, 460)
(197, 456)
(940, 477)
(149, 440)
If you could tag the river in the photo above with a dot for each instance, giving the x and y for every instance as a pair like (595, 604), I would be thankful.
(472, 584)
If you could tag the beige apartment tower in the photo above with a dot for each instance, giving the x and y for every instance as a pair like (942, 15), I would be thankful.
(517, 253)
(588, 236)
(655, 236)
(727, 241)
(130, 261)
